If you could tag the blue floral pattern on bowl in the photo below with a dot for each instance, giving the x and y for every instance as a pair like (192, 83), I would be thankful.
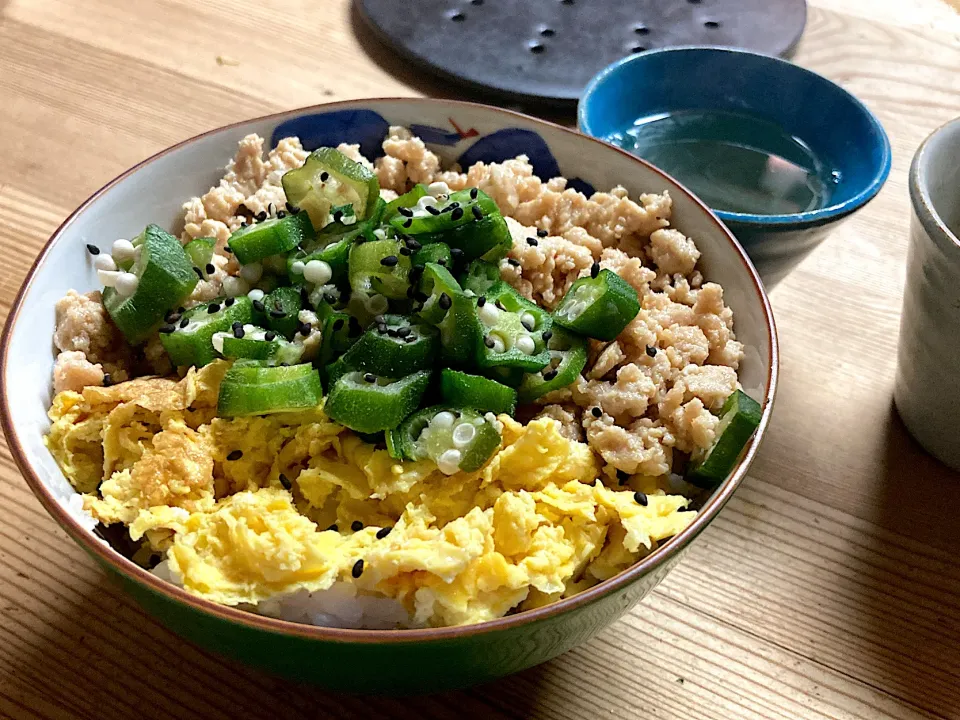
(368, 129)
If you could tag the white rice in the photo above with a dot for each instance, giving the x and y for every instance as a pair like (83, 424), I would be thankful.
(339, 606)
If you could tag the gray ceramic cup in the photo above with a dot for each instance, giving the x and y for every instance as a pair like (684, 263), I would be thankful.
(927, 390)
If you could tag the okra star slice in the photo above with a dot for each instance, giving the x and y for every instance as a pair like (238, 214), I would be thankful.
(379, 267)
(253, 343)
(600, 306)
(459, 389)
(369, 403)
(275, 236)
(568, 357)
(328, 179)
(461, 332)
(435, 282)
(739, 418)
(189, 342)
(480, 277)
(200, 252)
(249, 388)
(456, 439)
(165, 278)
(513, 330)
(394, 347)
(282, 307)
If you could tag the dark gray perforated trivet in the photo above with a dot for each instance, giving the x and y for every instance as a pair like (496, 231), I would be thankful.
(547, 50)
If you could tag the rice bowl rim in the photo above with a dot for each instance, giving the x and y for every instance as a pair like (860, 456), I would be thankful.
(134, 572)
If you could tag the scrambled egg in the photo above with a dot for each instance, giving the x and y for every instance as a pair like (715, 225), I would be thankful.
(247, 509)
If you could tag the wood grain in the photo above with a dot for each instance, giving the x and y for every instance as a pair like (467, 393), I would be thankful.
(828, 588)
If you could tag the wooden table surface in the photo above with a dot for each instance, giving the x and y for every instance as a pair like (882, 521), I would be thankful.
(828, 588)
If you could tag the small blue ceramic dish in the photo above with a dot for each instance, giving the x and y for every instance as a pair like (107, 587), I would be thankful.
(827, 124)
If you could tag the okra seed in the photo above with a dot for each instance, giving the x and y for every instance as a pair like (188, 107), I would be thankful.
(641, 498)
(127, 284)
(256, 295)
(443, 419)
(317, 272)
(442, 262)
(252, 272)
(488, 341)
(528, 321)
(235, 286)
(444, 302)
(123, 250)
(213, 308)
(403, 332)
(370, 377)
(389, 261)
(595, 270)
(93, 249)
(449, 461)
(184, 322)
(357, 568)
(542, 233)
(105, 262)
(406, 212)
(596, 412)
(463, 434)
(547, 334)
(526, 345)
(356, 526)
(297, 267)
(382, 328)
(108, 278)
(498, 344)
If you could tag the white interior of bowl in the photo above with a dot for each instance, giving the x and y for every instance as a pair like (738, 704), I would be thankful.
(155, 191)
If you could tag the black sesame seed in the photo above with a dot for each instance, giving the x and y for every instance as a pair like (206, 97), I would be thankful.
(107, 380)
(547, 334)
(258, 305)
(236, 324)
(354, 326)
(651, 351)
(542, 233)
(488, 341)
(404, 250)
(411, 291)
(595, 270)
(415, 273)
(324, 176)
(383, 532)
(356, 526)
(514, 262)
(444, 302)
(499, 305)
(421, 296)
(379, 319)
(477, 212)
(269, 336)
(481, 301)
(227, 249)
(337, 216)
(210, 269)
(596, 412)
(93, 250)
(172, 317)
(408, 222)
(281, 215)
(413, 244)
(229, 302)
(285, 481)
(457, 213)
(410, 338)
(261, 216)
(622, 477)
(370, 377)
(291, 208)
(305, 329)
(404, 331)
(389, 261)
(304, 296)
(213, 308)
(235, 455)
(184, 322)
(532, 242)
(641, 498)
(549, 374)
(338, 324)
(406, 212)
(473, 193)
(432, 210)
(357, 568)
(452, 206)
(442, 262)
(382, 328)
(456, 254)
(334, 528)
(277, 313)
(238, 333)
